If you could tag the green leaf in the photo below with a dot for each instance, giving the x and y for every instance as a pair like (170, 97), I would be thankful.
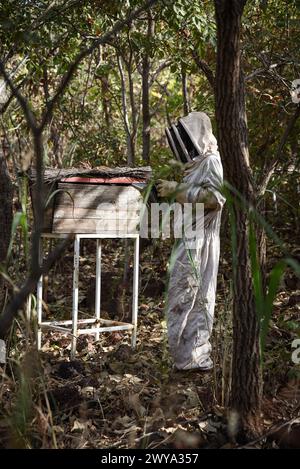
(16, 222)
(275, 277)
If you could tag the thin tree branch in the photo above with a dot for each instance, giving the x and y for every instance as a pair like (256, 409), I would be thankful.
(269, 69)
(160, 68)
(205, 68)
(273, 164)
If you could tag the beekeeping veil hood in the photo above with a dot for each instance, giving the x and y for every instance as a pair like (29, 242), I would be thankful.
(192, 137)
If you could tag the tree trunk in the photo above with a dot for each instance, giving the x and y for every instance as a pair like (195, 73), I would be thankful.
(233, 143)
(104, 81)
(130, 148)
(145, 94)
(56, 145)
(146, 110)
(6, 216)
(134, 115)
(186, 107)
(105, 99)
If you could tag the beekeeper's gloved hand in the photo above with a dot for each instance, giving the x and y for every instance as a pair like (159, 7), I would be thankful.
(172, 188)
(166, 188)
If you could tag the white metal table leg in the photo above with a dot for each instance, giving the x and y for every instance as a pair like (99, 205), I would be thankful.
(135, 290)
(98, 286)
(75, 295)
(39, 298)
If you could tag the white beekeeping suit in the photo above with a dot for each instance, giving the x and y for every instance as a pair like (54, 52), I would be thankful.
(193, 271)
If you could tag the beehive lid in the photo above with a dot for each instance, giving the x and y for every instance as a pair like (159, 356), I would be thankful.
(99, 175)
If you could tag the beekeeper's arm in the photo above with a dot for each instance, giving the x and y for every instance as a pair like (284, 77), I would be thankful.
(180, 192)
(210, 176)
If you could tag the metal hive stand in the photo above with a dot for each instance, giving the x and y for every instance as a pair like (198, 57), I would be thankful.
(96, 324)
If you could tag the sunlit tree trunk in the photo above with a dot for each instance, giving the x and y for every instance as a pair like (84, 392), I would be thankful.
(145, 94)
(130, 148)
(233, 143)
(134, 113)
(105, 99)
(185, 99)
(146, 109)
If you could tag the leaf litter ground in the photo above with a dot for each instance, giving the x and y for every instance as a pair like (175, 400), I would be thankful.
(113, 396)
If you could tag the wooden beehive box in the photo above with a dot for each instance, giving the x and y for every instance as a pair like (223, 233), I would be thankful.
(98, 201)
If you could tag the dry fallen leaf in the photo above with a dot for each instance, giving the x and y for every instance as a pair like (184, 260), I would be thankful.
(79, 426)
(136, 405)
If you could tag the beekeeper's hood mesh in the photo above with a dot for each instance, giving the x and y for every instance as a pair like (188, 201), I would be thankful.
(199, 129)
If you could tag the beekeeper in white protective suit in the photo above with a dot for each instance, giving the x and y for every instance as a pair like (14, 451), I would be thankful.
(193, 271)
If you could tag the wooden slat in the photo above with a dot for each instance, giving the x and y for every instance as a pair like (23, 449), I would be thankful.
(88, 225)
(101, 189)
(103, 212)
(92, 196)
(89, 204)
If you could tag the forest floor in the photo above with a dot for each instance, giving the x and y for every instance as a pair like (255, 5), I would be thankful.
(114, 397)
